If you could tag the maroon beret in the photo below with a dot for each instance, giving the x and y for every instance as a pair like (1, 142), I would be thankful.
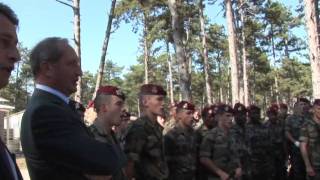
(111, 90)
(224, 108)
(303, 99)
(239, 108)
(90, 104)
(283, 106)
(208, 110)
(316, 102)
(152, 89)
(186, 105)
(253, 108)
(273, 109)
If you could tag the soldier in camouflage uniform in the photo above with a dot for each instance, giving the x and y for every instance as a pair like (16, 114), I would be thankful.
(283, 113)
(216, 153)
(209, 122)
(143, 142)
(292, 130)
(278, 142)
(310, 143)
(108, 104)
(258, 142)
(180, 144)
(237, 136)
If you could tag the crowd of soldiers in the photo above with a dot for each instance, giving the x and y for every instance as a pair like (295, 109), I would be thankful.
(224, 143)
(220, 143)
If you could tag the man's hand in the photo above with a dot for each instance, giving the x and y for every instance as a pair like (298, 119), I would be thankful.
(297, 144)
(223, 175)
(310, 171)
(238, 173)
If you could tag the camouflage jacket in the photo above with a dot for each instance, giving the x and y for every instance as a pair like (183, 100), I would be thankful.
(277, 137)
(143, 146)
(293, 125)
(180, 152)
(310, 134)
(200, 133)
(258, 142)
(217, 147)
(100, 134)
(237, 137)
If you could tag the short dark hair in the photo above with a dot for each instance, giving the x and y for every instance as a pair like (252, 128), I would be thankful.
(9, 13)
(47, 50)
(101, 99)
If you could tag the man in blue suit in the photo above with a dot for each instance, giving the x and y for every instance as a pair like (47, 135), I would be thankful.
(56, 143)
(9, 55)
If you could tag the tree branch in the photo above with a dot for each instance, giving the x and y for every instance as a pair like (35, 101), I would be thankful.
(65, 3)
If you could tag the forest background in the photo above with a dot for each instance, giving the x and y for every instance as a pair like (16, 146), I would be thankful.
(251, 51)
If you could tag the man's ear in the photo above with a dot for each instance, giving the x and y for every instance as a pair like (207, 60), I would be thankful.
(46, 69)
(145, 101)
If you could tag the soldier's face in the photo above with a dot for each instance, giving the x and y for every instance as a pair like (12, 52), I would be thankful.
(185, 117)
(240, 118)
(211, 121)
(225, 120)
(316, 111)
(155, 104)
(9, 54)
(114, 110)
(272, 117)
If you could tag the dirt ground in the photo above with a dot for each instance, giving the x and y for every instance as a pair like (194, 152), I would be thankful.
(23, 168)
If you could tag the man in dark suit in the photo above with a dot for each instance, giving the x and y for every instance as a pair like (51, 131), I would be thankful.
(55, 141)
(8, 56)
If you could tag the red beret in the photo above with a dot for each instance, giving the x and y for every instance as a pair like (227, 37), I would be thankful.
(90, 104)
(224, 108)
(185, 105)
(273, 109)
(173, 105)
(111, 90)
(283, 106)
(253, 108)
(316, 102)
(152, 89)
(239, 108)
(209, 109)
(303, 99)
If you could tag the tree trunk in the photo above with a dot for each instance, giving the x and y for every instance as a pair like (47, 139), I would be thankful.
(169, 60)
(205, 54)
(220, 81)
(77, 42)
(177, 27)
(312, 22)
(104, 49)
(274, 61)
(232, 52)
(244, 58)
(146, 49)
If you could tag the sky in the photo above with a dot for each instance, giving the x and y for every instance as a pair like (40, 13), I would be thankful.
(46, 18)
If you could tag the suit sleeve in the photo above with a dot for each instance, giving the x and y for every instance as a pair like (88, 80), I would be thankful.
(61, 140)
